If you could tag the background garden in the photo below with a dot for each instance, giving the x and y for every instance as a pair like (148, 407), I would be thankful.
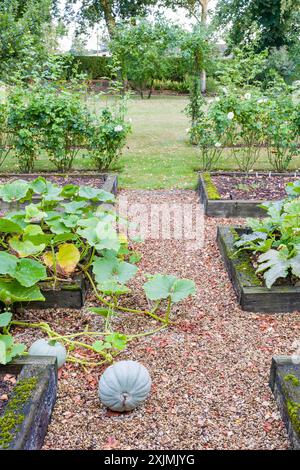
(178, 99)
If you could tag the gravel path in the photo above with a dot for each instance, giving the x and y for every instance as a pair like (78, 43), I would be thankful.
(210, 371)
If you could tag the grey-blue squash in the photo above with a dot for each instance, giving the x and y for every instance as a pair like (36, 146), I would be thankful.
(124, 385)
(41, 347)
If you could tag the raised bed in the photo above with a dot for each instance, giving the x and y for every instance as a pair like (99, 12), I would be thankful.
(216, 206)
(69, 294)
(251, 294)
(25, 418)
(285, 385)
(106, 181)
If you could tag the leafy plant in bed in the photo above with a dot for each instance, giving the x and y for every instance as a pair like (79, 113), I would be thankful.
(68, 234)
(275, 240)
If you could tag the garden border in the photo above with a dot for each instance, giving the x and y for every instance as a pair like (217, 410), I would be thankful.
(251, 295)
(34, 412)
(287, 395)
(232, 208)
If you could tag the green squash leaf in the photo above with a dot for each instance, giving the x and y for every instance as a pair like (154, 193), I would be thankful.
(8, 263)
(13, 291)
(33, 213)
(165, 286)
(5, 319)
(29, 272)
(8, 226)
(111, 268)
(25, 248)
(15, 191)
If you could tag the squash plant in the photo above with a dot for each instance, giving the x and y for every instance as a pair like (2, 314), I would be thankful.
(68, 231)
(275, 240)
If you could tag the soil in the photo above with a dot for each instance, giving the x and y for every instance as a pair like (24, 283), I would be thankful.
(7, 383)
(259, 187)
(82, 180)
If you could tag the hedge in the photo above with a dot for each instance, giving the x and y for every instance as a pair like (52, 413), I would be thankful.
(94, 66)
(98, 67)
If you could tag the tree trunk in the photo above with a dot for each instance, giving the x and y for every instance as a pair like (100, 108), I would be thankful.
(109, 16)
(204, 11)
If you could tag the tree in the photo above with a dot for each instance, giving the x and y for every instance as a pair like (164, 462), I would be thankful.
(142, 49)
(275, 22)
(24, 27)
(197, 9)
(92, 12)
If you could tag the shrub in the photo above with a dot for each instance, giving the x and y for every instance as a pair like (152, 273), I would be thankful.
(107, 139)
(58, 123)
(210, 147)
(280, 130)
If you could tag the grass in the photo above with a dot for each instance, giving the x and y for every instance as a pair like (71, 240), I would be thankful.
(158, 154)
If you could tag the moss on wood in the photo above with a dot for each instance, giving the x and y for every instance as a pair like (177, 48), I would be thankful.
(211, 189)
(12, 419)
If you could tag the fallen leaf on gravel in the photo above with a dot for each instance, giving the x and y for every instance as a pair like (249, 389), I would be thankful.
(111, 443)
(268, 427)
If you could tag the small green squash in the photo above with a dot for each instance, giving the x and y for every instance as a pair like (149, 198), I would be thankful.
(124, 385)
(44, 347)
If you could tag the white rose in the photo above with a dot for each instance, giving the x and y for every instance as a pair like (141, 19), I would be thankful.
(118, 128)
(218, 144)
(230, 115)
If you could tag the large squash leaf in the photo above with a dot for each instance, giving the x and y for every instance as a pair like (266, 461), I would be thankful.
(8, 263)
(112, 269)
(34, 213)
(161, 287)
(5, 319)
(26, 247)
(8, 226)
(13, 291)
(15, 191)
(67, 259)
(29, 272)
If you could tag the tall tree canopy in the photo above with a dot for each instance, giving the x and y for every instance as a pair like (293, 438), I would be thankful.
(275, 22)
(91, 12)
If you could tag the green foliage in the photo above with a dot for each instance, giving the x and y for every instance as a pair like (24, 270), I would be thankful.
(142, 50)
(243, 68)
(274, 22)
(9, 349)
(44, 119)
(245, 123)
(65, 233)
(23, 44)
(161, 287)
(94, 67)
(108, 138)
(276, 240)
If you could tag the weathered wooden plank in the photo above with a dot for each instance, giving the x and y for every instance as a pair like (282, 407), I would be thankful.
(33, 411)
(231, 208)
(285, 385)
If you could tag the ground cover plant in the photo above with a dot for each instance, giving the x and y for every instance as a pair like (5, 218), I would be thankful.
(274, 241)
(65, 233)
